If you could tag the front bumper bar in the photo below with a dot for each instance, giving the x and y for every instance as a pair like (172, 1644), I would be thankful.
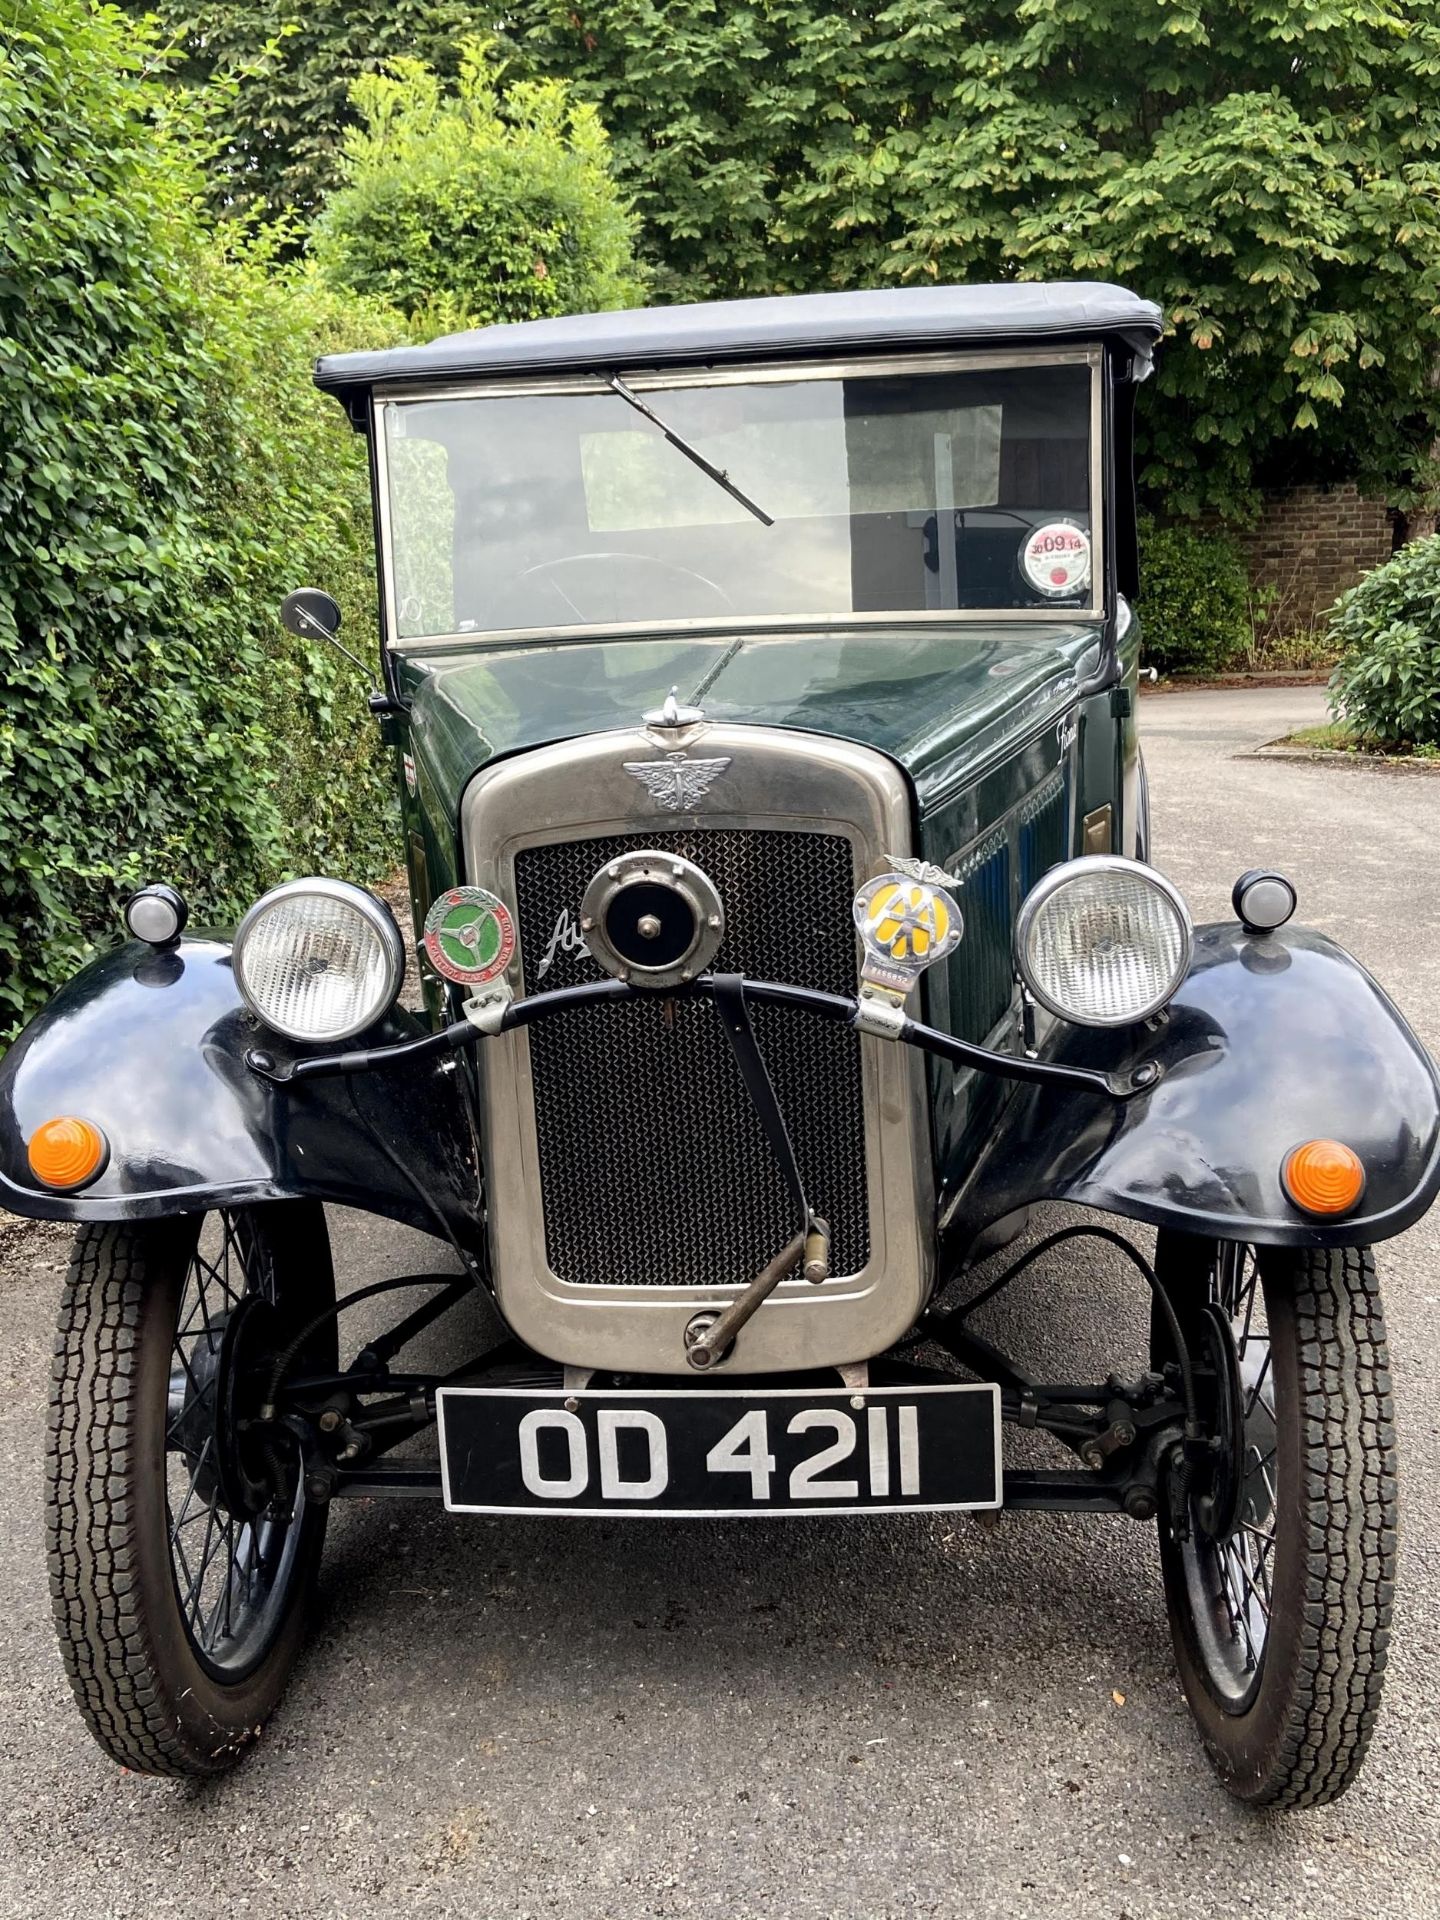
(1142, 1078)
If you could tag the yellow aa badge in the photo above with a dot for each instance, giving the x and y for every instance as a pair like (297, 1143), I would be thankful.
(907, 922)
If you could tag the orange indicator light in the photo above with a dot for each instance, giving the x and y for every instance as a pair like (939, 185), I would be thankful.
(1323, 1176)
(67, 1152)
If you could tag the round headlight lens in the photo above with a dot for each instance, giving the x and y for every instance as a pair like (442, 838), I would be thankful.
(1102, 941)
(318, 959)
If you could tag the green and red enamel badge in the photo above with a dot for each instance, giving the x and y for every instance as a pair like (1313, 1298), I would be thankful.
(469, 936)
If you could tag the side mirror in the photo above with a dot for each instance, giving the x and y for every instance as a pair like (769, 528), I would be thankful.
(313, 615)
(310, 613)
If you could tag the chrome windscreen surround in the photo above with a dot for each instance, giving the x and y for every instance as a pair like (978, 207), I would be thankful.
(762, 780)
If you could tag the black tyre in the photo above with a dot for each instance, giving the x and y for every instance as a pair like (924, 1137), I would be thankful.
(181, 1555)
(1280, 1575)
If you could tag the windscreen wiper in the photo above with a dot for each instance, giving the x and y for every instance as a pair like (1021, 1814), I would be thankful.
(717, 474)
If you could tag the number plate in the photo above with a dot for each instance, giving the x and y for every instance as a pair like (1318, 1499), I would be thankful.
(721, 1454)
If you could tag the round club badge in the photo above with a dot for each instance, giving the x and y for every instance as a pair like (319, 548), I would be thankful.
(1055, 559)
(469, 936)
(906, 923)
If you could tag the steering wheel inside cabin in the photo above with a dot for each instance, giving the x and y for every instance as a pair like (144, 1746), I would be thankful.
(568, 573)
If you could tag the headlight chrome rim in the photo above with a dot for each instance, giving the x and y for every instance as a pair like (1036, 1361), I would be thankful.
(1069, 873)
(378, 919)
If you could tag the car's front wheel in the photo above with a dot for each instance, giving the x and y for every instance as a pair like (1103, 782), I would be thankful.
(182, 1552)
(1279, 1555)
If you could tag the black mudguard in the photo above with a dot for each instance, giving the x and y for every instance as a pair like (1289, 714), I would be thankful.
(151, 1048)
(1271, 1041)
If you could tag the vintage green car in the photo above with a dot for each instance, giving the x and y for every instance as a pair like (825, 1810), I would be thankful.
(761, 681)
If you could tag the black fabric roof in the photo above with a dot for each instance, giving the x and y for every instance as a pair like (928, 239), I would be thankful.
(864, 322)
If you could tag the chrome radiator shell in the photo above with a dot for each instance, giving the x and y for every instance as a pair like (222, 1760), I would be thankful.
(772, 781)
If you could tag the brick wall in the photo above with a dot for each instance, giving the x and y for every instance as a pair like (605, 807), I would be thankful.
(1309, 545)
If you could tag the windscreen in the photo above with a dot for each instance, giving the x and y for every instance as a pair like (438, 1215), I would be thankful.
(776, 497)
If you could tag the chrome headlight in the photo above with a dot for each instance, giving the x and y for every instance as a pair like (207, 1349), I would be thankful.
(1102, 941)
(318, 959)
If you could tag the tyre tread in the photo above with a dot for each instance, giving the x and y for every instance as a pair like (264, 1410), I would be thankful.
(1348, 1508)
(149, 1701)
(90, 1541)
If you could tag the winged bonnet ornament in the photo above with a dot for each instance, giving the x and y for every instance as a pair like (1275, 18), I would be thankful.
(677, 782)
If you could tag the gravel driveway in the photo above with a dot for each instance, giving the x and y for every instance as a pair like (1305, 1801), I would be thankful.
(816, 1718)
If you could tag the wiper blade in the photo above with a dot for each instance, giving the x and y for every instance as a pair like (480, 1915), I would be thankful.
(693, 454)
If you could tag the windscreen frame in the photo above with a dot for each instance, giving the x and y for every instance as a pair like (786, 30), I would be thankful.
(659, 381)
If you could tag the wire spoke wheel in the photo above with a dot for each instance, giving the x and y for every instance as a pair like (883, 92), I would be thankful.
(182, 1550)
(233, 1559)
(1279, 1556)
(1229, 1571)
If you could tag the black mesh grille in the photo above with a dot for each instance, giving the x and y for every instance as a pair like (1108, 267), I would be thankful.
(653, 1164)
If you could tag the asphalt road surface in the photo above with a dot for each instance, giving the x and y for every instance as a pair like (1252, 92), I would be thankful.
(780, 1718)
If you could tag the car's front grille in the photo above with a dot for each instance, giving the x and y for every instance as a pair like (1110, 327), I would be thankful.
(654, 1168)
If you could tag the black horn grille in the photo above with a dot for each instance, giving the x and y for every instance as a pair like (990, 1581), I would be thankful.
(654, 1168)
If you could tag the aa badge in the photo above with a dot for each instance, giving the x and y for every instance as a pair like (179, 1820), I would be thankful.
(906, 923)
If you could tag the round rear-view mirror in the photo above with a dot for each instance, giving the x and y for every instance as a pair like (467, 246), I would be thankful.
(311, 613)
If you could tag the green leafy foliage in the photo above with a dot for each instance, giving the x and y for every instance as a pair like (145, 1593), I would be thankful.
(1194, 602)
(1269, 173)
(1386, 686)
(467, 207)
(166, 471)
(278, 132)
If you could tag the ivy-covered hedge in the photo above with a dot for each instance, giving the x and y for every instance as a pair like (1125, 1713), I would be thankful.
(166, 473)
(1386, 686)
(1194, 603)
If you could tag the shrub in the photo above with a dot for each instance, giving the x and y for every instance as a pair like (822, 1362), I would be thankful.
(286, 493)
(166, 471)
(1194, 600)
(466, 208)
(286, 73)
(1386, 686)
(1270, 174)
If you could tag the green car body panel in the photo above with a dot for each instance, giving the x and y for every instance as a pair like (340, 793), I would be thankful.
(976, 717)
